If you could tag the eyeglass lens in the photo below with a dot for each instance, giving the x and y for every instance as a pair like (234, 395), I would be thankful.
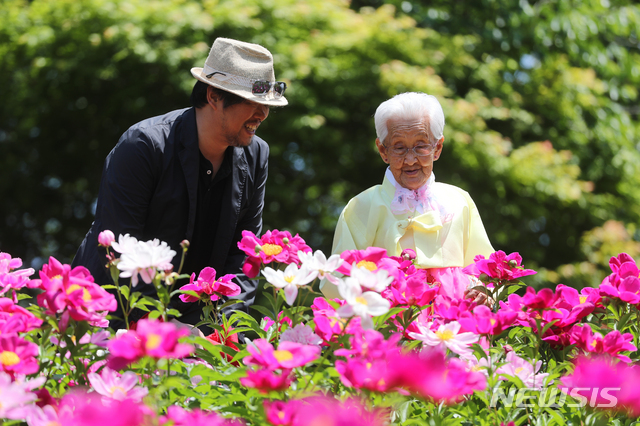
(261, 88)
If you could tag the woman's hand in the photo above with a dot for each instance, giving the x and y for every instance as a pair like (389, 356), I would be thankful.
(479, 297)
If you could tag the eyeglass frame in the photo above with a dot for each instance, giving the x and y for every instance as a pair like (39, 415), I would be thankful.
(390, 153)
(255, 83)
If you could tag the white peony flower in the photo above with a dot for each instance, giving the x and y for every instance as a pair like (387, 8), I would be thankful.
(126, 243)
(322, 267)
(375, 280)
(289, 280)
(366, 304)
(144, 258)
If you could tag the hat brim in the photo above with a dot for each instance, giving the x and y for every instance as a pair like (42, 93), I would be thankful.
(241, 91)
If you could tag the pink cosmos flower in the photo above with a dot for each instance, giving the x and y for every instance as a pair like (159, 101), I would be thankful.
(519, 367)
(273, 246)
(267, 380)
(73, 293)
(208, 288)
(288, 355)
(447, 335)
(17, 355)
(151, 338)
(106, 238)
(178, 416)
(15, 318)
(114, 385)
(499, 266)
(145, 258)
(10, 279)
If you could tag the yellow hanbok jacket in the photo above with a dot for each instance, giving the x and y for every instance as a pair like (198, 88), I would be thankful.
(439, 240)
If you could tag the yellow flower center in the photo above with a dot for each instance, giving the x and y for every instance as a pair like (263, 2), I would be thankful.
(518, 370)
(86, 296)
(271, 249)
(367, 265)
(361, 300)
(281, 415)
(153, 341)
(282, 355)
(583, 299)
(289, 278)
(52, 424)
(114, 389)
(9, 358)
(492, 321)
(445, 335)
(593, 344)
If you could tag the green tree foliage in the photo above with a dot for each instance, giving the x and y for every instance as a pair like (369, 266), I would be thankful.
(540, 98)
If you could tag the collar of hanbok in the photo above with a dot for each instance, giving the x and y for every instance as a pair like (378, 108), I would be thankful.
(418, 201)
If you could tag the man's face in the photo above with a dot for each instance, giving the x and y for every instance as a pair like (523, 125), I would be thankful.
(240, 122)
(410, 170)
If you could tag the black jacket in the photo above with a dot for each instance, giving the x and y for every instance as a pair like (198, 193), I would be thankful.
(149, 190)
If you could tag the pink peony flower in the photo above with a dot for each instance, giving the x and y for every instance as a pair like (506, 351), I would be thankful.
(328, 411)
(83, 409)
(613, 343)
(178, 416)
(302, 334)
(17, 355)
(73, 292)
(519, 367)
(447, 335)
(281, 320)
(280, 413)
(370, 259)
(484, 321)
(267, 380)
(114, 385)
(288, 355)
(10, 279)
(273, 246)
(15, 318)
(17, 398)
(208, 288)
(499, 266)
(151, 338)
(106, 238)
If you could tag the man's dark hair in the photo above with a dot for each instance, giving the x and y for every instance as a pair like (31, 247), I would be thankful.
(199, 96)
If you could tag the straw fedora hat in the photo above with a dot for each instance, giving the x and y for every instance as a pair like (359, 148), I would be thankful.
(234, 66)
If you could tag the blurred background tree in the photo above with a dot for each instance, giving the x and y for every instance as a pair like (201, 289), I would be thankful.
(540, 98)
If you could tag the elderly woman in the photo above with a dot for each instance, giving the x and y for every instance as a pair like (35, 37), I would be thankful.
(410, 210)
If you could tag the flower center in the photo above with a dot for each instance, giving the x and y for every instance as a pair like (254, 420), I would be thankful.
(445, 335)
(52, 424)
(283, 355)
(583, 299)
(492, 321)
(361, 300)
(366, 264)
(9, 358)
(153, 341)
(289, 278)
(518, 370)
(115, 388)
(271, 249)
(86, 296)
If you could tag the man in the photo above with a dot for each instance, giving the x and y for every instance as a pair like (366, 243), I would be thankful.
(197, 174)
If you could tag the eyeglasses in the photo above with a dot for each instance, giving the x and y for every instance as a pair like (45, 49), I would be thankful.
(262, 87)
(418, 150)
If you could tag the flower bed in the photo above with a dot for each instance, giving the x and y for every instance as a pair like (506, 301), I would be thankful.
(392, 351)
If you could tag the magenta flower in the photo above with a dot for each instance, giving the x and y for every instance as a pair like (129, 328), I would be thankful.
(613, 343)
(267, 380)
(280, 413)
(10, 279)
(151, 338)
(273, 246)
(484, 321)
(178, 416)
(414, 290)
(328, 411)
(73, 292)
(114, 385)
(106, 238)
(598, 373)
(288, 355)
(83, 409)
(208, 288)
(15, 318)
(499, 266)
(17, 355)
(370, 259)
(361, 373)
(544, 299)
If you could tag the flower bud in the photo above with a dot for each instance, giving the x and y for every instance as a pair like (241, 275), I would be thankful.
(484, 278)
(258, 249)
(512, 263)
(184, 244)
(285, 240)
(105, 238)
(408, 254)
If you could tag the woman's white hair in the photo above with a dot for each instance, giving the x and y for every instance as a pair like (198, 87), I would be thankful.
(410, 105)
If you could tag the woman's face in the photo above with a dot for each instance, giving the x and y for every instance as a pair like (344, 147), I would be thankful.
(409, 170)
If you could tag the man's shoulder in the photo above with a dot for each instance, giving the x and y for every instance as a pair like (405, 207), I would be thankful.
(165, 121)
